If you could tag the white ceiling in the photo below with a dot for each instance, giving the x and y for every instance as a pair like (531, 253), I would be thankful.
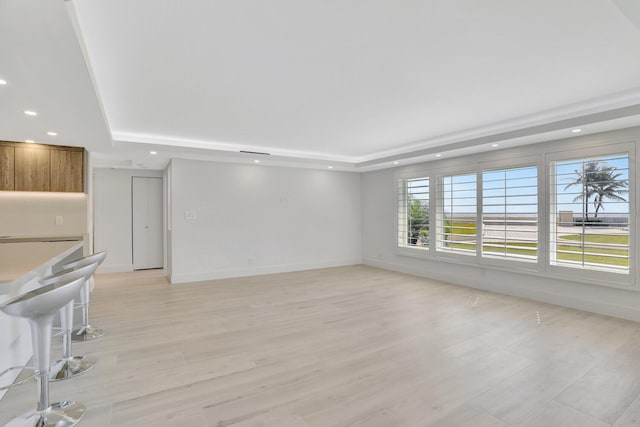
(356, 84)
(45, 71)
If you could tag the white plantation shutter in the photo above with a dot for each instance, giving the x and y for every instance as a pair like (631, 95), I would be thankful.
(510, 213)
(589, 223)
(561, 211)
(413, 212)
(458, 210)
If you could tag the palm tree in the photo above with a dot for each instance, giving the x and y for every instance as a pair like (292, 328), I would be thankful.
(610, 186)
(600, 180)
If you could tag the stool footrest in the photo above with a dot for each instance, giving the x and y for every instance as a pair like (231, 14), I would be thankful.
(22, 381)
(86, 333)
(60, 414)
(71, 367)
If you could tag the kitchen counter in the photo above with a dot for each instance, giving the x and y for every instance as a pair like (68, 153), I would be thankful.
(20, 253)
(15, 337)
(46, 238)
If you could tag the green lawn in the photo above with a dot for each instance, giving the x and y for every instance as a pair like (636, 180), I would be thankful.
(460, 228)
(511, 250)
(618, 239)
(593, 254)
(493, 249)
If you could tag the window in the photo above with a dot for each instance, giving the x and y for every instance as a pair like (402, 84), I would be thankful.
(590, 213)
(413, 208)
(564, 211)
(457, 214)
(510, 213)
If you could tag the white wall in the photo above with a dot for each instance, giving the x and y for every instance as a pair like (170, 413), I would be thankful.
(112, 216)
(168, 256)
(379, 243)
(33, 214)
(88, 187)
(255, 219)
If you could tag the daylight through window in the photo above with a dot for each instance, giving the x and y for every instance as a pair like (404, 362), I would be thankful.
(458, 214)
(590, 213)
(510, 213)
(413, 208)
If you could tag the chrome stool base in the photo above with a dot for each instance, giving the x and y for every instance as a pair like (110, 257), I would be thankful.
(61, 414)
(68, 368)
(87, 333)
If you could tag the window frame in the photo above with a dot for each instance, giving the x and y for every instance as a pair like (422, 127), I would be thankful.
(439, 217)
(541, 155)
(600, 276)
(406, 175)
(402, 218)
(524, 264)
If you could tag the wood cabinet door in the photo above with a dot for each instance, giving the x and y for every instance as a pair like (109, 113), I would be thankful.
(7, 159)
(32, 169)
(67, 171)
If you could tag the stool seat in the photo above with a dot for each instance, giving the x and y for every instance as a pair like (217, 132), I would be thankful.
(70, 366)
(42, 301)
(90, 259)
(38, 307)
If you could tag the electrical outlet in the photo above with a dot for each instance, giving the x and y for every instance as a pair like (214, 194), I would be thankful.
(59, 220)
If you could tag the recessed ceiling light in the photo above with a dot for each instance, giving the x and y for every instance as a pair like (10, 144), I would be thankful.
(395, 163)
(256, 161)
(576, 130)
(153, 152)
(329, 167)
(3, 82)
(30, 113)
(438, 155)
(494, 145)
(30, 141)
(52, 133)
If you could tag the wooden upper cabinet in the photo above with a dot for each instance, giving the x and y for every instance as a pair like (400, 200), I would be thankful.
(7, 159)
(67, 171)
(32, 169)
(39, 167)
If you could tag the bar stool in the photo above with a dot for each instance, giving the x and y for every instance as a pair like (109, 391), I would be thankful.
(69, 366)
(38, 307)
(86, 332)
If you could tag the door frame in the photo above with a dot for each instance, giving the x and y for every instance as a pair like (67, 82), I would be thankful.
(162, 222)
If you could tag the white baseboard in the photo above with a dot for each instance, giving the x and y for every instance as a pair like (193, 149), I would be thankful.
(259, 270)
(572, 301)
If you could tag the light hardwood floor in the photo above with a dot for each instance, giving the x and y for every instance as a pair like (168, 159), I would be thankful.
(345, 346)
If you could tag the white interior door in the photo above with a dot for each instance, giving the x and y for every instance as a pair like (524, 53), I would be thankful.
(147, 222)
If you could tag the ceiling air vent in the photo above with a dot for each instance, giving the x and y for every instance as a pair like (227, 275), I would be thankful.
(255, 152)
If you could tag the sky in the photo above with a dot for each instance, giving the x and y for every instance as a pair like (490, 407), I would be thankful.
(514, 191)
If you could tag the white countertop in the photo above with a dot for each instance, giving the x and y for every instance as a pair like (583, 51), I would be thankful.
(15, 338)
(23, 283)
(42, 238)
